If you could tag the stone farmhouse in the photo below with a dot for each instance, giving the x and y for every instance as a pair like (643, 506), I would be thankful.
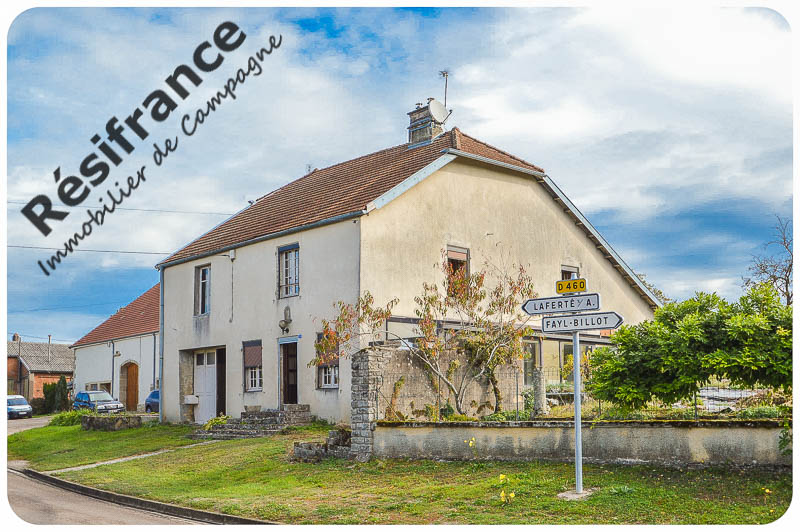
(121, 354)
(242, 303)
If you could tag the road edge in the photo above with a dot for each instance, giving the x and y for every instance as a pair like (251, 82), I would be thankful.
(144, 504)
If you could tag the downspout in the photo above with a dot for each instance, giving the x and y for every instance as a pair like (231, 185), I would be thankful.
(161, 344)
(112, 367)
(154, 362)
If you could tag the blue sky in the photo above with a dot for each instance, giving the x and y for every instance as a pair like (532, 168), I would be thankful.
(678, 149)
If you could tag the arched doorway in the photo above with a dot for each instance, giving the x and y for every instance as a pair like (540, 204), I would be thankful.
(129, 386)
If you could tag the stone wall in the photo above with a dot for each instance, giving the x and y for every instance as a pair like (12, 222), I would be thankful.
(671, 443)
(185, 384)
(110, 423)
(366, 372)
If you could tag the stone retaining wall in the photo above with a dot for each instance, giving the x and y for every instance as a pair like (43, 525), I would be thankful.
(110, 423)
(667, 443)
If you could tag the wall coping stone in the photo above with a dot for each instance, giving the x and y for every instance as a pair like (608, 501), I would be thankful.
(700, 423)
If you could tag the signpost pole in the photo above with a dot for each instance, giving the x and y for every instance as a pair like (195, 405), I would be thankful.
(576, 381)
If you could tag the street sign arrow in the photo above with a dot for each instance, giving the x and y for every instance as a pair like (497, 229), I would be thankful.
(582, 322)
(552, 305)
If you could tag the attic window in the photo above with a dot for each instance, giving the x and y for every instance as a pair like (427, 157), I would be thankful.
(569, 272)
(457, 262)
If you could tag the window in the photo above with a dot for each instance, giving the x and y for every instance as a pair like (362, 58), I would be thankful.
(329, 376)
(255, 379)
(253, 366)
(328, 372)
(289, 270)
(202, 290)
(569, 272)
(457, 264)
(530, 362)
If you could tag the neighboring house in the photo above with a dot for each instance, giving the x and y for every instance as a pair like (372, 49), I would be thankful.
(243, 302)
(120, 354)
(31, 365)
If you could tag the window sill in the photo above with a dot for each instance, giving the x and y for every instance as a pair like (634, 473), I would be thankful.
(249, 390)
(324, 388)
(202, 315)
(289, 297)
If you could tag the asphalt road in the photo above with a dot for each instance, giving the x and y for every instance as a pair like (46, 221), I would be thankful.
(42, 504)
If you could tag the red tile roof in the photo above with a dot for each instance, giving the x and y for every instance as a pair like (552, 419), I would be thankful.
(139, 317)
(340, 189)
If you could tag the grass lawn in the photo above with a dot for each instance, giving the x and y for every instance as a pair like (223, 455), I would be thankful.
(49, 448)
(254, 478)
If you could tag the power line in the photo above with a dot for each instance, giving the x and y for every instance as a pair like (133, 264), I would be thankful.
(96, 250)
(60, 308)
(39, 337)
(132, 209)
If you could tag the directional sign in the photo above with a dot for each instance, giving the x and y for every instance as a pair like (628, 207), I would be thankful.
(582, 322)
(552, 305)
(569, 286)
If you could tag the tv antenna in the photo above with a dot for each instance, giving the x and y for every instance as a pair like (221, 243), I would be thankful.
(444, 74)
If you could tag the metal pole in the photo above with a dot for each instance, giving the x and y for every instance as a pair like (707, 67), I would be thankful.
(516, 417)
(576, 382)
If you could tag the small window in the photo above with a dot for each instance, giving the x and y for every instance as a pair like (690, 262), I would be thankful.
(569, 272)
(211, 358)
(255, 379)
(457, 263)
(329, 376)
(289, 271)
(201, 358)
(202, 290)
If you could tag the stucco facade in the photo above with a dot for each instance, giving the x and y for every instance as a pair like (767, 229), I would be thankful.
(245, 307)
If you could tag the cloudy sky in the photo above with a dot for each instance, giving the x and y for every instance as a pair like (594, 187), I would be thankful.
(670, 129)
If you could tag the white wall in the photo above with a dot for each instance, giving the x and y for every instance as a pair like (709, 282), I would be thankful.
(245, 306)
(93, 363)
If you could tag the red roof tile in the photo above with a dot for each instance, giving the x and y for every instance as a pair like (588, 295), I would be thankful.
(139, 317)
(340, 189)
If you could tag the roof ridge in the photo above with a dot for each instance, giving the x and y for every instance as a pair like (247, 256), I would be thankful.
(502, 151)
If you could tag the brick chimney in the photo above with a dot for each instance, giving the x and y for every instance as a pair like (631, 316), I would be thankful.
(422, 127)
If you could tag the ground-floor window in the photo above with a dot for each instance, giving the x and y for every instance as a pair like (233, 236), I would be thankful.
(329, 376)
(255, 378)
(530, 361)
(94, 386)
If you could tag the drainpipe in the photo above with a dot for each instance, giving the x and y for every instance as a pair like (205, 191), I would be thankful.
(112, 367)
(154, 362)
(161, 345)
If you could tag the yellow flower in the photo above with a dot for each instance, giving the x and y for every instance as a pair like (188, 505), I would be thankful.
(502, 478)
(503, 495)
(511, 495)
(767, 491)
(465, 441)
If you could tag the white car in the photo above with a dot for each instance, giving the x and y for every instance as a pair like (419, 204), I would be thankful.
(18, 407)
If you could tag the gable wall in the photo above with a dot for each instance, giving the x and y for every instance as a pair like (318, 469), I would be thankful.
(458, 205)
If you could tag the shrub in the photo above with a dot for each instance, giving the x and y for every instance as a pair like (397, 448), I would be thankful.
(214, 421)
(37, 404)
(460, 417)
(72, 417)
(759, 412)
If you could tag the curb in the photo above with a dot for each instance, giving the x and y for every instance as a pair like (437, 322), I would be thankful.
(173, 510)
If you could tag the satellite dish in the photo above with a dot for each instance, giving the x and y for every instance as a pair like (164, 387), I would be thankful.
(437, 110)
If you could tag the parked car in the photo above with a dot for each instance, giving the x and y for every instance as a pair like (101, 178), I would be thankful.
(152, 402)
(18, 407)
(100, 400)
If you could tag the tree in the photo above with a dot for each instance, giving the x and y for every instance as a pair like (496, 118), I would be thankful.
(774, 269)
(672, 356)
(661, 296)
(486, 327)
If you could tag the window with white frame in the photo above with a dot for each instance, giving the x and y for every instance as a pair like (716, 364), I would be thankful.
(202, 290)
(255, 378)
(329, 376)
(289, 270)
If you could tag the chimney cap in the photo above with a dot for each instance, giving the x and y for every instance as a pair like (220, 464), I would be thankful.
(15, 337)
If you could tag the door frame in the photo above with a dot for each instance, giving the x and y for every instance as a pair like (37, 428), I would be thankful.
(281, 342)
(205, 352)
(127, 365)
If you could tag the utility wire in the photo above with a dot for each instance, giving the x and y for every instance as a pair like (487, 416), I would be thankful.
(132, 209)
(39, 337)
(96, 250)
(60, 308)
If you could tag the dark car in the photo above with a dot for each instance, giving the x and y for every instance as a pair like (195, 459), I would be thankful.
(18, 407)
(99, 400)
(152, 402)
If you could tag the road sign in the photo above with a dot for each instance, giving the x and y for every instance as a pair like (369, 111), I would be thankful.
(570, 286)
(581, 322)
(551, 305)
